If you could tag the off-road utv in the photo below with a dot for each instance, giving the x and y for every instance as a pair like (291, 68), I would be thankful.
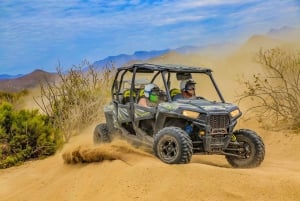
(176, 130)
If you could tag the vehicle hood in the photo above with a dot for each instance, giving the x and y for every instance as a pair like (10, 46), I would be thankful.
(200, 105)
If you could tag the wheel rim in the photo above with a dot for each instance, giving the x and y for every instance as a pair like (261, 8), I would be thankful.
(246, 153)
(168, 148)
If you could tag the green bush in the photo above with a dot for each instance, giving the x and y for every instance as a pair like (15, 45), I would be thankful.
(25, 135)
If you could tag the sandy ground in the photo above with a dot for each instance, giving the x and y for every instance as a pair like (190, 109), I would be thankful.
(137, 175)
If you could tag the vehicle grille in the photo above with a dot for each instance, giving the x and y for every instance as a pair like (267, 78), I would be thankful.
(219, 121)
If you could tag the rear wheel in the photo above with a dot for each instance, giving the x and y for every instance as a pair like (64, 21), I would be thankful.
(101, 134)
(250, 148)
(172, 145)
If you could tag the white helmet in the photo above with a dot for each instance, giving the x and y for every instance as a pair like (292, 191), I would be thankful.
(148, 88)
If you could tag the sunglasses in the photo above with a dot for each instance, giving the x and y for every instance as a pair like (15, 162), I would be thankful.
(190, 89)
(155, 92)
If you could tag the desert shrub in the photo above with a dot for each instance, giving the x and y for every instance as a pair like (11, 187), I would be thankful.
(25, 135)
(76, 99)
(275, 94)
(12, 97)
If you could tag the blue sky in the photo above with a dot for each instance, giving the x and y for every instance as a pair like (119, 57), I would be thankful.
(45, 33)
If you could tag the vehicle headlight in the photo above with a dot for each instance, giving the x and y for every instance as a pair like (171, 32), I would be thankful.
(190, 114)
(235, 113)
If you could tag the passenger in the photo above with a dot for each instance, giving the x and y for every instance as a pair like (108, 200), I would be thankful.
(150, 97)
(187, 88)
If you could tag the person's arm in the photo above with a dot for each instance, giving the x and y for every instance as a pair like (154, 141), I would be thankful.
(178, 96)
(143, 102)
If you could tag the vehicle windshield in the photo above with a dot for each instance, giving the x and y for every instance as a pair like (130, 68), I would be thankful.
(203, 88)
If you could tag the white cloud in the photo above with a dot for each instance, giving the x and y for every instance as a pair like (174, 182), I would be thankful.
(45, 25)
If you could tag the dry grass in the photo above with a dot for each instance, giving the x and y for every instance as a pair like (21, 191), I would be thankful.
(76, 99)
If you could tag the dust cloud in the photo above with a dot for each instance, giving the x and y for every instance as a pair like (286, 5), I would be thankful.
(117, 150)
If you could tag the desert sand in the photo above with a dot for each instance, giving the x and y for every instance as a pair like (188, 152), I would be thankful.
(127, 173)
(137, 175)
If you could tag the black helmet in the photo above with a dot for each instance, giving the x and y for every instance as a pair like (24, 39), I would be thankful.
(185, 84)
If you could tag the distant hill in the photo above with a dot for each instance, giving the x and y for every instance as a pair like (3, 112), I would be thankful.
(28, 81)
(188, 49)
(6, 76)
(255, 43)
(122, 59)
(285, 32)
(143, 56)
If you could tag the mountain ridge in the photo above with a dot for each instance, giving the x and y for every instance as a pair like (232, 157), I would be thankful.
(122, 59)
(7, 76)
(27, 81)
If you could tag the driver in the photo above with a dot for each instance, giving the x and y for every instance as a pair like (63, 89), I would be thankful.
(187, 88)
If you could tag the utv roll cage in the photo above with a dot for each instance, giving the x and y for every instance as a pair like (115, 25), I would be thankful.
(182, 72)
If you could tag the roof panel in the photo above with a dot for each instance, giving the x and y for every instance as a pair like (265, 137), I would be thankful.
(166, 67)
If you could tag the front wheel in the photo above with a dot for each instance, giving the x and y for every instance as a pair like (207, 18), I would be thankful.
(249, 148)
(101, 134)
(172, 145)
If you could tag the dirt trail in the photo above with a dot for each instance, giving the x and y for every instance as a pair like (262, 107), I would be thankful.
(137, 175)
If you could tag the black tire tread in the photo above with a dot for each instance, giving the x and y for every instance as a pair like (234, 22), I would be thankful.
(259, 150)
(185, 141)
(101, 134)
